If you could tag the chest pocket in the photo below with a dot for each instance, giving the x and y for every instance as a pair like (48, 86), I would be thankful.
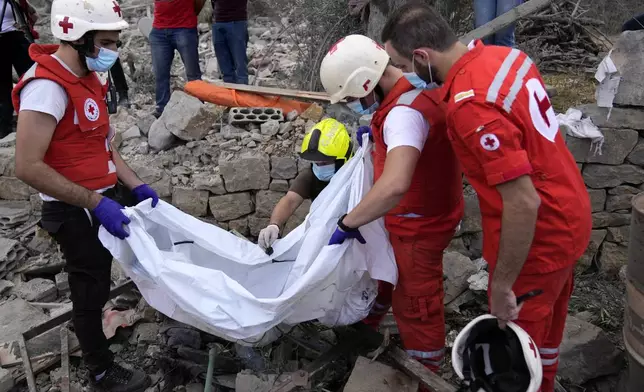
(90, 107)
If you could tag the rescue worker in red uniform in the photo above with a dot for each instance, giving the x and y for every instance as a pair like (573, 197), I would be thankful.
(535, 208)
(63, 151)
(417, 186)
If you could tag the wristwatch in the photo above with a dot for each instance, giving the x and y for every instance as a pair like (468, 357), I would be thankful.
(344, 227)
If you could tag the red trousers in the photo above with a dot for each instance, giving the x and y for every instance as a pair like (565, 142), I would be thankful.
(544, 317)
(417, 300)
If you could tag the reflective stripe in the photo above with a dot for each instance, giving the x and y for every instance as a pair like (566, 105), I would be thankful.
(111, 167)
(501, 74)
(431, 363)
(426, 354)
(516, 86)
(548, 351)
(410, 215)
(409, 97)
(549, 362)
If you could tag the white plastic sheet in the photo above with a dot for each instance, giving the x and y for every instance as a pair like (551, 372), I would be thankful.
(204, 276)
(582, 128)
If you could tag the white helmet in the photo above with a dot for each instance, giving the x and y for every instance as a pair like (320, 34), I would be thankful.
(352, 67)
(490, 359)
(71, 19)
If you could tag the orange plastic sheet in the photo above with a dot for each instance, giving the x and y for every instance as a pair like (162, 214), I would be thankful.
(228, 97)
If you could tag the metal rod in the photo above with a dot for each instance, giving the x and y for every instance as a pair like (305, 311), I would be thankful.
(211, 369)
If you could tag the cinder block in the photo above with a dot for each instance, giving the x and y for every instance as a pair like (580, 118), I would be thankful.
(243, 116)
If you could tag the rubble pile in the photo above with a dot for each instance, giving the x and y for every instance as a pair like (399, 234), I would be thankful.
(560, 39)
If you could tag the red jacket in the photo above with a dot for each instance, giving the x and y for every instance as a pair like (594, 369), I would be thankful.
(502, 127)
(434, 202)
(79, 148)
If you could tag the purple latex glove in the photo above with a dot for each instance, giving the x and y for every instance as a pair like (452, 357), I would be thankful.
(339, 236)
(111, 217)
(361, 131)
(144, 192)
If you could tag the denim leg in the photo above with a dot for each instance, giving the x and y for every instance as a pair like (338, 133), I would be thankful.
(220, 33)
(484, 11)
(187, 43)
(162, 56)
(237, 42)
(505, 37)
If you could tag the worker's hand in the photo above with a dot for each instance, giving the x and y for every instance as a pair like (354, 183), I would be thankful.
(361, 131)
(340, 235)
(268, 236)
(503, 305)
(144, 192)
(111, 216)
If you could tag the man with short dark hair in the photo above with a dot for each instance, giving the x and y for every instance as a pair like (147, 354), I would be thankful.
(535, 206)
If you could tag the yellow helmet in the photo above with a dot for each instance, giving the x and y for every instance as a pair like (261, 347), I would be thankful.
(328, 141)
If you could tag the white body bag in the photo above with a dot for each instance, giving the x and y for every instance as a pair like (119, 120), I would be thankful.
(204, 276)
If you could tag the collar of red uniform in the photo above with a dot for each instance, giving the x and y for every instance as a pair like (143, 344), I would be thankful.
(401, 86)
(475, 48)
(42, 55)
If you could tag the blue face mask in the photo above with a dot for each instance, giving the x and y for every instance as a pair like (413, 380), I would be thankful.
(415, 80)
(324, 173)
(103, 62)
(357, 107)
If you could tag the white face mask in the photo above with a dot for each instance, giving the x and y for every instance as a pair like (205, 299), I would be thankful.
(428, 86)
(324, 173)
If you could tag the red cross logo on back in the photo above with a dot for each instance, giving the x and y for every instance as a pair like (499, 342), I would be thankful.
(116, 8)
(66, 25)
(544, 106)
(534, 350)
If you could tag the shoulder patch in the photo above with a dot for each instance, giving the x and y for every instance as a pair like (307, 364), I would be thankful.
(463, 95)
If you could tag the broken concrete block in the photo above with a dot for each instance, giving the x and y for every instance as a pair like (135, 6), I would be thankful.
(375, 376)
(145, 333)
(248, 172)
(246, 381)
(10, 253)
(313, 113)
(187, 118)
(458, 269)
(5, 285)
(627, 56)
(6, 380)
(231, 206)
(266, 201)
(12, 188)
(606, 219)
(209, 182)
(183, 337)
(13, 213)
(270, 128)
(618, 144)
(18, 316)
(279, 186)
(37, 290)
(606, 176)
(586, 353)
(613, 256)
(243, 116)
(7, 161)
(62, 282)
(621, 118)
(283, 168)
(190, 201)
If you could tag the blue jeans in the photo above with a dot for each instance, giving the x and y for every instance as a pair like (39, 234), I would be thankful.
(487, 10)
(163, 43)
(230, 40)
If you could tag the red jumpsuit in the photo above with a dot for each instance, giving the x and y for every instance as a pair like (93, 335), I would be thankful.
(502, 126)
(420, 227)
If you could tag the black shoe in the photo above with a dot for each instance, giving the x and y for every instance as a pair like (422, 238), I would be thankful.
(124, 101)
(119, 379)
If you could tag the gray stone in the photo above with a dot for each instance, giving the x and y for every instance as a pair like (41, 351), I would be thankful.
(62, 282)
(5, 285)
(612, 256)
(630, 118)
(619, 202)
(283, 168)
(618, 143)
(12, 188)
(231, 206)
(190, 201)
(266, 201)
(13, 213)
(586, 353)
(597, 199)
(286, 128)
(246, 381)
(472, 215)
(147, 171)
(270, 128)
(7, 161)
(374, 376)
(627, 56)
(588, 258)
(624, 190)
(604, 176)
(195, 387)
(240, 226)
(17, 317)
(279, 186)
(620, 235)
(209, 182)
(145, 333)
(256, 224)
(313, 113)
(248, 172)
(163, 187)
(231, 132)
(159, 137)
(606, 219)
(36, 290)
(458, 269)
(6, 380)
(145, 123)
(292, 115)
(183, 337)
(636, 156)
(298, 217)
(131, 133)
(302, 165)
(187, 118)
(228, 144)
